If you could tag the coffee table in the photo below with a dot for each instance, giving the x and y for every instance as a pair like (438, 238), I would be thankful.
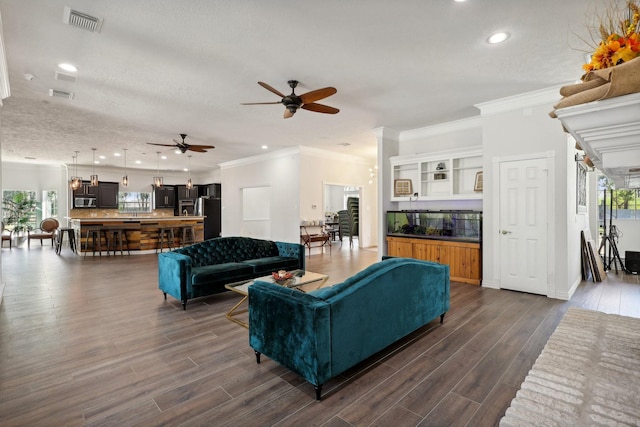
(300, 278)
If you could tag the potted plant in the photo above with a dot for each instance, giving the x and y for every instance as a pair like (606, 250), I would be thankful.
(19, 208)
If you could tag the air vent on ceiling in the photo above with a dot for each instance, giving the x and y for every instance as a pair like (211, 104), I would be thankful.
(60, 94)
(66, 77)
(81, 20)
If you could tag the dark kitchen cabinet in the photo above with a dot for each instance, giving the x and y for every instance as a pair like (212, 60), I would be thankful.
(213, 191)
(108, 195)
(86, 190)
(185, 194)
(164, 197)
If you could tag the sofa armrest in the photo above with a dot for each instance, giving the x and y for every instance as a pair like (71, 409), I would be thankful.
(292, 328)
(174, 275)
(295, 250)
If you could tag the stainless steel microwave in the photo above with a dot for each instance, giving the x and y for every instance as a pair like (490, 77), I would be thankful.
(84, 202)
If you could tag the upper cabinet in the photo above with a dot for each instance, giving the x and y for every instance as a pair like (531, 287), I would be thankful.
(187, 194)
(437, 176)
(164, 197)
(108, 195)
(86, 190)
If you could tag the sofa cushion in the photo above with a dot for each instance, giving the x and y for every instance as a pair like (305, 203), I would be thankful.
(270, 264)
(220, 273)
(228, 249)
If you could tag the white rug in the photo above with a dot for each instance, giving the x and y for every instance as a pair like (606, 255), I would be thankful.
(587, 375)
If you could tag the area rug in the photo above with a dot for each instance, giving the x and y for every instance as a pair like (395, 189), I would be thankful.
(588, 374)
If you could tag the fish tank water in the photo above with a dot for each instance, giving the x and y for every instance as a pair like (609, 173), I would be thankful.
(442, 225)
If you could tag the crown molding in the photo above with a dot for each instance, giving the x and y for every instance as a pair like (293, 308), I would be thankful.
(441, 128)
(524, 100)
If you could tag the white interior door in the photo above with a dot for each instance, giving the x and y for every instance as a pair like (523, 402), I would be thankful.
(523, 226)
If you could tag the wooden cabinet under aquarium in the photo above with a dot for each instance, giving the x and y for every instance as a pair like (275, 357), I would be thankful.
(447, 237)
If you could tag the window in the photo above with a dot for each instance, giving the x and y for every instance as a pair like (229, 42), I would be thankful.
(134, 202)
(19, 210)
(620, 204)
(49, 204)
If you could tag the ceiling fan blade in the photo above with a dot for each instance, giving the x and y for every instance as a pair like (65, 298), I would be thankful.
(201, 147)
(260, 103)
(271, 89)
(162, 145)
(196, 149)
(316, 95)
(287, 113)
(320, 108)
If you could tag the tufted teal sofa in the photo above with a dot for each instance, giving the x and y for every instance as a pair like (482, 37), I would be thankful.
(204, 268)
(321, 334)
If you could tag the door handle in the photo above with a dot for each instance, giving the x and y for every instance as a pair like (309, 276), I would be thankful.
(506, 232)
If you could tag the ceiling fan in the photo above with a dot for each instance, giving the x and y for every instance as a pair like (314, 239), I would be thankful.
(305, 101)
(183, 146)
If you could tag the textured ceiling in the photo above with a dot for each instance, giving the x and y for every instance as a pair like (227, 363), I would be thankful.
(158, 68)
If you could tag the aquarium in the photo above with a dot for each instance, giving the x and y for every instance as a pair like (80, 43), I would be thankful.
(444, 225)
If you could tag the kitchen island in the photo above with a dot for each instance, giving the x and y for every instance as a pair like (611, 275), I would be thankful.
(142, 233)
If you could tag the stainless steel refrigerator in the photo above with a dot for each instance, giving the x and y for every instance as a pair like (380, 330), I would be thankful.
(210, 208)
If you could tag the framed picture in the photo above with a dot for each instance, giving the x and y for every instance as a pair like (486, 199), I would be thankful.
(402, 187)
(477, 186)
(581, 187)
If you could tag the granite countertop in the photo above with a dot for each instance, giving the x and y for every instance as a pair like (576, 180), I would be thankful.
(137, 218)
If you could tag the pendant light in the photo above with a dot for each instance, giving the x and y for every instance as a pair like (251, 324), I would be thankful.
(189, 182)
(157, 180)
(76, 181)
(125, 178)
(94, 177)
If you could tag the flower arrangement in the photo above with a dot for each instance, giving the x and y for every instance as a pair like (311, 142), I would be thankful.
(620, 38)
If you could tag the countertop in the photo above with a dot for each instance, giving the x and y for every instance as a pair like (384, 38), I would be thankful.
(140, 219)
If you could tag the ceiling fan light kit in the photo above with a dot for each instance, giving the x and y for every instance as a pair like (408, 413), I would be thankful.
(306, 101)
(184, 147)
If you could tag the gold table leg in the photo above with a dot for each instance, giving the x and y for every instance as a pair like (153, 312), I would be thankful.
(233, 312)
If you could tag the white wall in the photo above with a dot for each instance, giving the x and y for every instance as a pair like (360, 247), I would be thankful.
(520, 126)
(280, 171)
(296, 177)
(321, 167)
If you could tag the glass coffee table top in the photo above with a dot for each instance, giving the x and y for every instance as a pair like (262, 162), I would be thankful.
(300, 278)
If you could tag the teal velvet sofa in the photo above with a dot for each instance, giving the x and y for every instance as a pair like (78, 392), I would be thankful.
(322, 333)
(204, 268)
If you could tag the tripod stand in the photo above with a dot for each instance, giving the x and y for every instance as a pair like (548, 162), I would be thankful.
(613, 256)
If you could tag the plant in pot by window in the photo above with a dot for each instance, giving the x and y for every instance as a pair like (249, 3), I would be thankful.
(19, 210)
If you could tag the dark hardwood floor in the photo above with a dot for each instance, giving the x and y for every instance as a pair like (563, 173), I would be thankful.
(92, 342)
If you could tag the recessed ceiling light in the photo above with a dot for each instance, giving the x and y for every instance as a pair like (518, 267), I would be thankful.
(459, 1)
(498, 38)
(163, 157)
(186, 169)
(102, 157)
(138, 162)
(116, 154)
(264, 147)
(177, 152)
(68, 67)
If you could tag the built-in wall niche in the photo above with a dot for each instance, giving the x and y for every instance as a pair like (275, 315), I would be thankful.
(437, 176)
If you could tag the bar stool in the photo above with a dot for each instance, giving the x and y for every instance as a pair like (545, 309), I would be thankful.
(95, 235)
(188, 235)
(71, 234)
(117, 235)
(165, 232)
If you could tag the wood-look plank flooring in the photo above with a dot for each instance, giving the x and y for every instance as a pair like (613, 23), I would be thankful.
(91, 341)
